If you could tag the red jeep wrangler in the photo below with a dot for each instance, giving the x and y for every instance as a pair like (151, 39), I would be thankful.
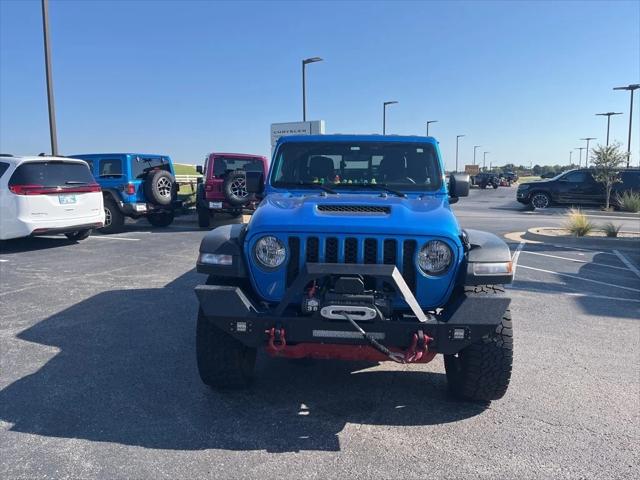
(224, 186)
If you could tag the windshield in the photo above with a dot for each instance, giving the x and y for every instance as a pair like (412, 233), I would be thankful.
(402, 166)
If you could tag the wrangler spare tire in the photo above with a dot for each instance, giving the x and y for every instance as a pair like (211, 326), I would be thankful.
(159, 187)
(235, 188)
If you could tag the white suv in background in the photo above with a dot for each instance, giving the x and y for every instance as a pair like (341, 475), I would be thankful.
(48, 195)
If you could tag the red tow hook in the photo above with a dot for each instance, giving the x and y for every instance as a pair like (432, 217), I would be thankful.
(277, 340)
(419, 347)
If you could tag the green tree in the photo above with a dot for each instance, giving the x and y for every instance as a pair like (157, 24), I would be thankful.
(606, 162)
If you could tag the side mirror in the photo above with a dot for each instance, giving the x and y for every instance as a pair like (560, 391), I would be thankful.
(458, 185)
(255, 182)
(199, 169)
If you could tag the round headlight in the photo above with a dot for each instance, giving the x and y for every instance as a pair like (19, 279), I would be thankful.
(434, 257)
(270, 252)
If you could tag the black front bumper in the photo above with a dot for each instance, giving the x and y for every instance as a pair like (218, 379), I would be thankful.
(464, 320)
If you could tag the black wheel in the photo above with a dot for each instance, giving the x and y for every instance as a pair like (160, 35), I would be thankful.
(540, 200)
(482, 371)
(79, 235)
(204, 217)
(161, 219)
(235, 188)
(159, 187)
(496, 185)
(223, 362)
(113, 217)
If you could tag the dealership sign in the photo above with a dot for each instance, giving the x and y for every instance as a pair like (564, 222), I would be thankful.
(314, 127)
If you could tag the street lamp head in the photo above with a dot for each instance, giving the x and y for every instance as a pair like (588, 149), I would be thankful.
(460, 136)
(389, 103)
(589, 138)
(477, 146)
(311, 60)
(431, 121)
(608, 114)
(633, 86)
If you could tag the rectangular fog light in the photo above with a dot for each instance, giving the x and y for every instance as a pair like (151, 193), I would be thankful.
(501, 268)
(215, 259)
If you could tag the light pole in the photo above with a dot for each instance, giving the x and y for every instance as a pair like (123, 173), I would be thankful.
(608, 115)
(580, 157)
(458, 137)
(586, 157)
(384, 115)
(304, 84)
(630, 88)
(47, 65)
(484, 160)
(429, 122)
(570, 157)
(475, 147)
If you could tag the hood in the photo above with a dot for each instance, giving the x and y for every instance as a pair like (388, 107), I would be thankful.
(355, 213)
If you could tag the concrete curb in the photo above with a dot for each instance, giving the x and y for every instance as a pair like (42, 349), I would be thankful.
(537, 234)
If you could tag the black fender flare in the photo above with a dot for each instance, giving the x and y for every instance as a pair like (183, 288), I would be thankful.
(485, 247)
(114, 195)
(224, 240)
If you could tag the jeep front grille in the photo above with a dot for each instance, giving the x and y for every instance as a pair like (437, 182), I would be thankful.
(369, 250)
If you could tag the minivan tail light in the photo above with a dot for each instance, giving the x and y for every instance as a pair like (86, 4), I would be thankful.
(131, 189)
(42, 190)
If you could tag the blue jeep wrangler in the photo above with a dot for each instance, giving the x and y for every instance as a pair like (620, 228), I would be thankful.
(355, 254)
(134, 185)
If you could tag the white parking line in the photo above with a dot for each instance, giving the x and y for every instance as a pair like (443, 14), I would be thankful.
(575, 260)
(627, 262)
(574, 294)
(115, 238)
(580, 278)
(515, 257)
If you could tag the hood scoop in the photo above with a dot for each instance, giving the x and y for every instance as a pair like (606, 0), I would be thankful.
(336, 209)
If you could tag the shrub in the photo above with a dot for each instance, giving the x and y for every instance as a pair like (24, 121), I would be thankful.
(610, 229)
(578, 223)
(629, 201)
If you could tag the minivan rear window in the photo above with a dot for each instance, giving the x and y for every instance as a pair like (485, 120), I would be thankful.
(140, 166)
(53, 173)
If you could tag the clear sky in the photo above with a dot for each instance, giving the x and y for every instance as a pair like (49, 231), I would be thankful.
(523, 79)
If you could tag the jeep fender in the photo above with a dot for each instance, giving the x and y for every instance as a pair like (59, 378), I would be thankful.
(224, 240)
(484, 247)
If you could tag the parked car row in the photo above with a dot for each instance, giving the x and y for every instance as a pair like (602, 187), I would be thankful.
(577, 187)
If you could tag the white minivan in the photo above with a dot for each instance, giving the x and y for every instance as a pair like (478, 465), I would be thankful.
(48, 195)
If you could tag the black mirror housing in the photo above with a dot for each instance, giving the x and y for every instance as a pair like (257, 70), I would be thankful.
(199, 169)
(458, 185)
(255, 182)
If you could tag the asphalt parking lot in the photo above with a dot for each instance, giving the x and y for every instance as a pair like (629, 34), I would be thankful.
(98, 376)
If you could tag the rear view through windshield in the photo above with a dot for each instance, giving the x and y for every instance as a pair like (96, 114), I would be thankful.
(404, 166)
(140, 166)
(52, 174)
(223, 165)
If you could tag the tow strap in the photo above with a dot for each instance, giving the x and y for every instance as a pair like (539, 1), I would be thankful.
(419, 345)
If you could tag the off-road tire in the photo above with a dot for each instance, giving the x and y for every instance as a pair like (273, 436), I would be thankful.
(204, 217)
(161, 219)
(79, 235)
(234, 188)
(223, 362)
(482, 371)
(160, 187)
(113, 217)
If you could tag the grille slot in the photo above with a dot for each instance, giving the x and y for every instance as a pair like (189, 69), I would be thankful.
(351, 250)
(370, 250)
(355, 209)
(389, 252)
(293, 267)
(408, 264)
(313, 249)
(331, 250)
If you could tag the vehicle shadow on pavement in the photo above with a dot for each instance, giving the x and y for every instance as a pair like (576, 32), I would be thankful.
(31, 244)
(126, 373)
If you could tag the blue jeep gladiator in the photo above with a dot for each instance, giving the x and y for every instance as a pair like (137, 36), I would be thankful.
(134, 185)
(355, 254)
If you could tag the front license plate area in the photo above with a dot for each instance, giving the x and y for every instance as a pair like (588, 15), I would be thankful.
(67, 199)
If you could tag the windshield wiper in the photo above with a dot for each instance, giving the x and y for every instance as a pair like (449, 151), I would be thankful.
(309, 185)
(384, 188)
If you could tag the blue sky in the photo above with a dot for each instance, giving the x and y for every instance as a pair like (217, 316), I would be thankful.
(523, 79)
